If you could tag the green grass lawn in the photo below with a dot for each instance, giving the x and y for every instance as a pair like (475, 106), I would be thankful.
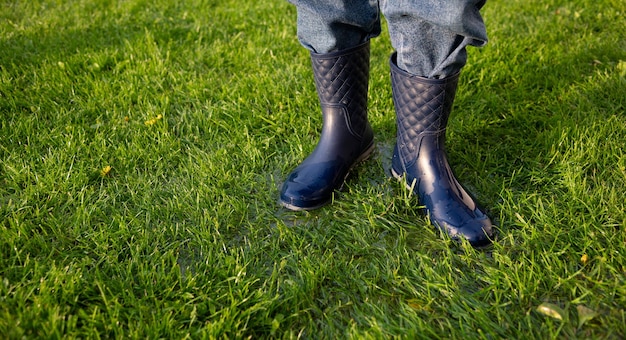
(143, 144)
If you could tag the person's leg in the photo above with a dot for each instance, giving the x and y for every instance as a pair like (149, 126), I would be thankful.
(337, 33)
(326, 26)
(430, 38)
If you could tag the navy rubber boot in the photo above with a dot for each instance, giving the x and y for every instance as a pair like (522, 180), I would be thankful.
(341, 79)
(419, 159)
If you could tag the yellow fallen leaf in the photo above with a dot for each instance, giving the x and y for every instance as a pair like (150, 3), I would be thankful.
(621, 67)
(414, 304)
(106, 171)
(584, 258)
(551, 310)
(154, 120)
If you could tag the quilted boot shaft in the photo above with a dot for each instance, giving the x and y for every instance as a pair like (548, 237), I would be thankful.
(341, 79)
(422, 110)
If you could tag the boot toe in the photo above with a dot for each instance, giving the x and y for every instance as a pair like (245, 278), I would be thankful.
(300, 196)
(478, 232)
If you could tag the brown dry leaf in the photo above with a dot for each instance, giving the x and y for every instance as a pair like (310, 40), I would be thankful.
(585, 314)
(417, 305)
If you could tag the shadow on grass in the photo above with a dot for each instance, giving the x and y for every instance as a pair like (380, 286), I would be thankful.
(508, 134)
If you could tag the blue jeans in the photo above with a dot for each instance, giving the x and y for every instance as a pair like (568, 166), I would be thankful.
(430, 36)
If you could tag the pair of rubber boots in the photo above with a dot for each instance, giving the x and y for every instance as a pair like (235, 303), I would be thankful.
(419, 159)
